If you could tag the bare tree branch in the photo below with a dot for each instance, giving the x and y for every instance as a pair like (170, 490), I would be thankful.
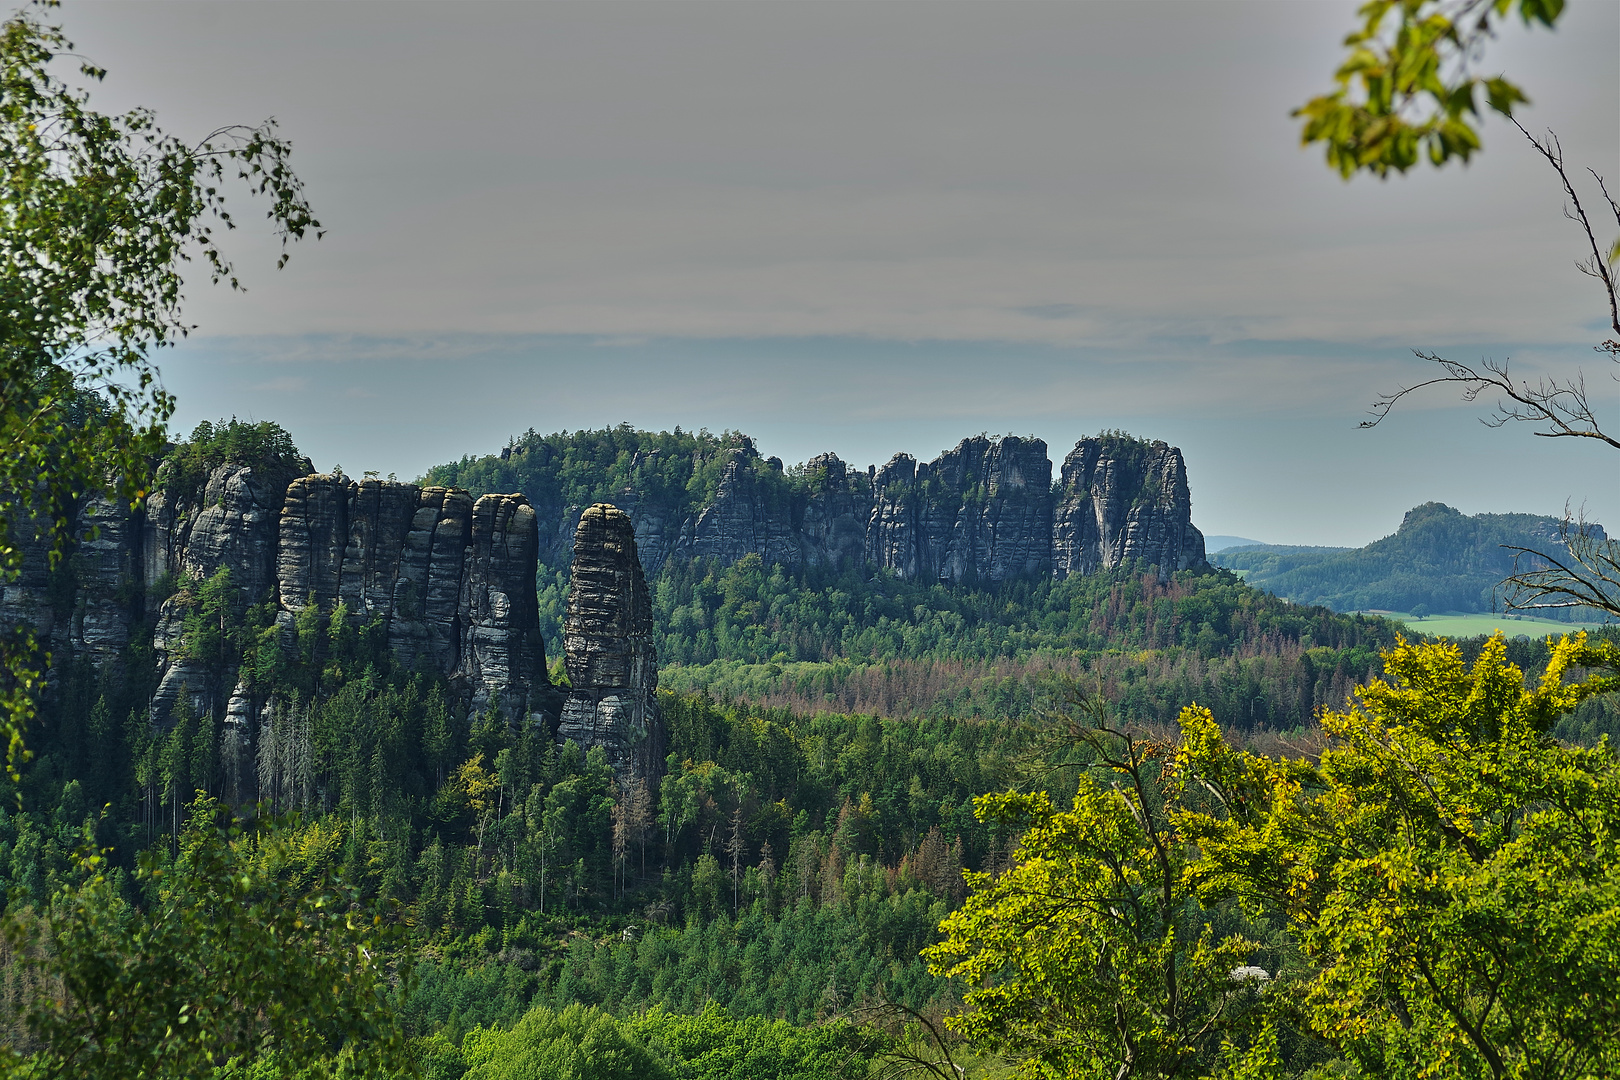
(1597, 266)
(1585, 572)
(1564, 408)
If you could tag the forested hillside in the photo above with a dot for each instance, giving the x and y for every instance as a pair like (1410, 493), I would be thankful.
(1439, 560)
(852, 637)
(829, 731)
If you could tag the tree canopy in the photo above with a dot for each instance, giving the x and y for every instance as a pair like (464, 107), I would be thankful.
(1408, 90)
(99, 216)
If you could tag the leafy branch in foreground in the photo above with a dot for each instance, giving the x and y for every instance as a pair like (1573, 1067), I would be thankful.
(222, 956)
(1448, 870)
(1407, 90)
(1090, 955)
(98, 214)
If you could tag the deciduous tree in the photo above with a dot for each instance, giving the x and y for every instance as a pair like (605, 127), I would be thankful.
(1409, 89)
(1452, 872)
(98, 216)
(221, 958)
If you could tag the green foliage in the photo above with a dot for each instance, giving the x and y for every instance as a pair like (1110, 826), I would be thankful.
(577, 468)
(1448, 870)
(1408, 89)
(714, 1045)
(97, 214)
(587, 1044)
(215, 957)
(264, 445)
(1090, 956)
(848, 643)
(573, 1044)
(1438, 557)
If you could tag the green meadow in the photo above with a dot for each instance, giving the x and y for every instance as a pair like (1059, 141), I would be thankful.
(1472, 624)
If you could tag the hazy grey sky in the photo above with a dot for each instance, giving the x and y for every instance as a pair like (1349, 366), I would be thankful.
(880, 227)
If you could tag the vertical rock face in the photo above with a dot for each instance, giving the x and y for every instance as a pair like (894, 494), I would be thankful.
(1124, 499)
(985, 510)
(982, 511)
(751, 514)
(502, 654)
(231, 518)
(230, 523)
(833, 526)
(35, 597)
(608, 650)
(450, 581)
(106, 563)
(893, 533)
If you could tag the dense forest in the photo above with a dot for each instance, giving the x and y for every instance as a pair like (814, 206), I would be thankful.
(847, 639)
(286, 794)
(1439, 560)
(828, 735)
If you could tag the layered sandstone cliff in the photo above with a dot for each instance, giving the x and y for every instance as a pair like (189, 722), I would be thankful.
(447, 579)
(1124, 499)
(608, 649)
(985, 510)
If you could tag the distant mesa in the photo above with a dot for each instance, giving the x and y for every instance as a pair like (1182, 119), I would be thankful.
(985, 511)
(1439, 560)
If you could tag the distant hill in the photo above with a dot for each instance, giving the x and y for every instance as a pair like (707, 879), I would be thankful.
(1212, 544)
(1438, 560)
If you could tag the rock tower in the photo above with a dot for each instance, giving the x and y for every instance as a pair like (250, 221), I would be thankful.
(608, 648)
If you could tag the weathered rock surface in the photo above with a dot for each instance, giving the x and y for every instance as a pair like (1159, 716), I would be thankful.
(608, 650)
(82, 606)
(449, 580)
(836, 512)
(985, 510)
(1124, 499)
(751, 514)
(982, 511)
(502, 655)
(230, 522)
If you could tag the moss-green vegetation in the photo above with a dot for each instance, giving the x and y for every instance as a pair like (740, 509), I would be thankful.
(263, 445)
(680, 469)
(1439, 560)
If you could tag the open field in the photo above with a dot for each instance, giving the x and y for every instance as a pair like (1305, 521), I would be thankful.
(1472, 625)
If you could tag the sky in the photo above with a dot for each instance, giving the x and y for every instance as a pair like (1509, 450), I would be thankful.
(881, 227)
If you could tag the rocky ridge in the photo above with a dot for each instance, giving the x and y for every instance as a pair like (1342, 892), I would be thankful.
(608, 650)
(448, 579)
(986, 510)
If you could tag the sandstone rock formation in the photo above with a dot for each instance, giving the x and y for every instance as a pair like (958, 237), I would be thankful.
(1124, 499)
(836, 512)
(982, 511)
(449, 579)
(608, 649)
(985, 511)
(751, 514)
